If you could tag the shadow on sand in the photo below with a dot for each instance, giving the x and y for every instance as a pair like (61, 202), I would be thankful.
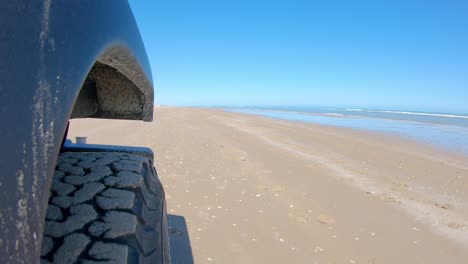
(181, 249)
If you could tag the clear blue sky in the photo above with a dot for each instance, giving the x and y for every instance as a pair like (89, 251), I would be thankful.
(378, 54)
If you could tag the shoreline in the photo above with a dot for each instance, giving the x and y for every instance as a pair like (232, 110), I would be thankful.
(404, 128)
(356, 195)
(435, 150)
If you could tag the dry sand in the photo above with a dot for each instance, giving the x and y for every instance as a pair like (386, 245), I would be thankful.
(256, 190)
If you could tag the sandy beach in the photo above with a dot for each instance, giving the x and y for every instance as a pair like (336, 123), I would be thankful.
(248, 189)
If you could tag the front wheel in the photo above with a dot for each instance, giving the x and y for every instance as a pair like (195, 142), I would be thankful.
(105, 207)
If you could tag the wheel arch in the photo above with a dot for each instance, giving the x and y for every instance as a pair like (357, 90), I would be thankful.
(116, 87)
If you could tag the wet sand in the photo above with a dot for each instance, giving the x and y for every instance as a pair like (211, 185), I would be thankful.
(258, 190)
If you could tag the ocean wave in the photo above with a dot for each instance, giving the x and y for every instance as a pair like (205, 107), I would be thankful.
(334, 114)
(408, 113)
(420, 114)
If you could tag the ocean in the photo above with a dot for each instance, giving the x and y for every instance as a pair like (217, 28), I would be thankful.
(446, 130)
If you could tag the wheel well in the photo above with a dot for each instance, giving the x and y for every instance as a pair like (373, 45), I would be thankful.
(118, 86)
(107, 93)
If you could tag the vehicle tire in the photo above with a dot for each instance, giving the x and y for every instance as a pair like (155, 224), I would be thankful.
(105, 207)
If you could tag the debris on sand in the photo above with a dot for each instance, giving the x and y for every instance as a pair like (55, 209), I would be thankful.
(457, 226)
(278, 189)
(325, 219)
(387, 198)
(443, 206)
(299, 218)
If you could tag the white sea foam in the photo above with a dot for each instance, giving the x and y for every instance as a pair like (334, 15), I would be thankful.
(408, 113)
(334, 114)
(423, 114)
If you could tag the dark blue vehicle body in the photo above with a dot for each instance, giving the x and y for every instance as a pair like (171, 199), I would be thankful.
(48, 51)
